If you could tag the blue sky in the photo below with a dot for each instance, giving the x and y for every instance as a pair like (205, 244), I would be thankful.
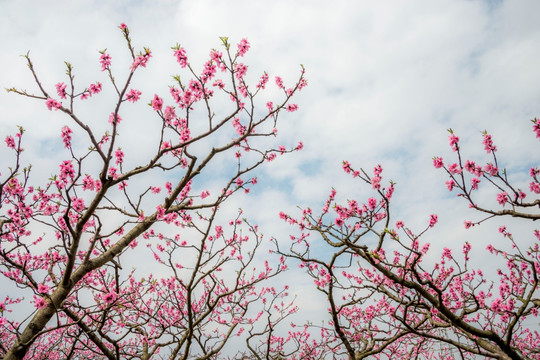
(386, 79)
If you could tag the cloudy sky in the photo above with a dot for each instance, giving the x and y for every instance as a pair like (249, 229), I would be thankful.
(386, 79)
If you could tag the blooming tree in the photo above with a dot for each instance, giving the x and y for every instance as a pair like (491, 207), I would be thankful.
(69, 243)
(387, 298)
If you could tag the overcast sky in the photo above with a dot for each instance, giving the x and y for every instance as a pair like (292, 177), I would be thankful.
(386, 79)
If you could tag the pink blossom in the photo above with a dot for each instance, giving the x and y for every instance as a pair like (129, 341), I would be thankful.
(536, 127)
(240, 70)
(219, 83)
(123, 27)
(157, 103)
(346, 167)
(454, 169)
(61, 90)
(535, 187)
(438, 162)
(39, 302)
(447, 253)
(95, 88)
(133, 95)
(488, 143)
(453, 140)
(433, 218)
(399, 224)
(10, 142)
(270, 106)
(491, 169)
(376, 182)
(243, 47)
(470, 166)
(216, 56)
(119, 154)
(141, 60)
(66, 136)
(78, 204)
(181, 57)
(468, 224)
(372, 203)
(502, 198)
(474, 183)
(114, 119)
(292, 107)
(53, 104)
(88, 183)
(43, 289)
(263, 81)
(105, 61)
(109, 297)
(279, 82)
(66, 170)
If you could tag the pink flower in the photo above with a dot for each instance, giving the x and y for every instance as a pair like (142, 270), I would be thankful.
(61, 90)
(181, 57)
(53, 104)
(454, 169)
(43, 289)
(502, 198)
(78, 204)
(66, 136)
(474, 183)
(491, 169)
(10, 142)
(292, 107)
(453, 139)
(433, 220)
(123, 27)
(157, 103)
(105, 61)
(488, 143)
(133, 95)
(536, 127)
(263, 81)
(119, 154)
(243, 47)
(141, 59)
(346, 167)
(279, 82)
(66, 170)
(39, 302)
(88, 183)
(114, 119)
(215, 56)
(109, 297)
(438, 162)
(372, 203)
(95, 88)
(240, 70)
(468, 224)
(376, 182)
(399, 224)
(535, 187)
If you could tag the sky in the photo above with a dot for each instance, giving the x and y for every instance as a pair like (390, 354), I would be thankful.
(386, 81)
